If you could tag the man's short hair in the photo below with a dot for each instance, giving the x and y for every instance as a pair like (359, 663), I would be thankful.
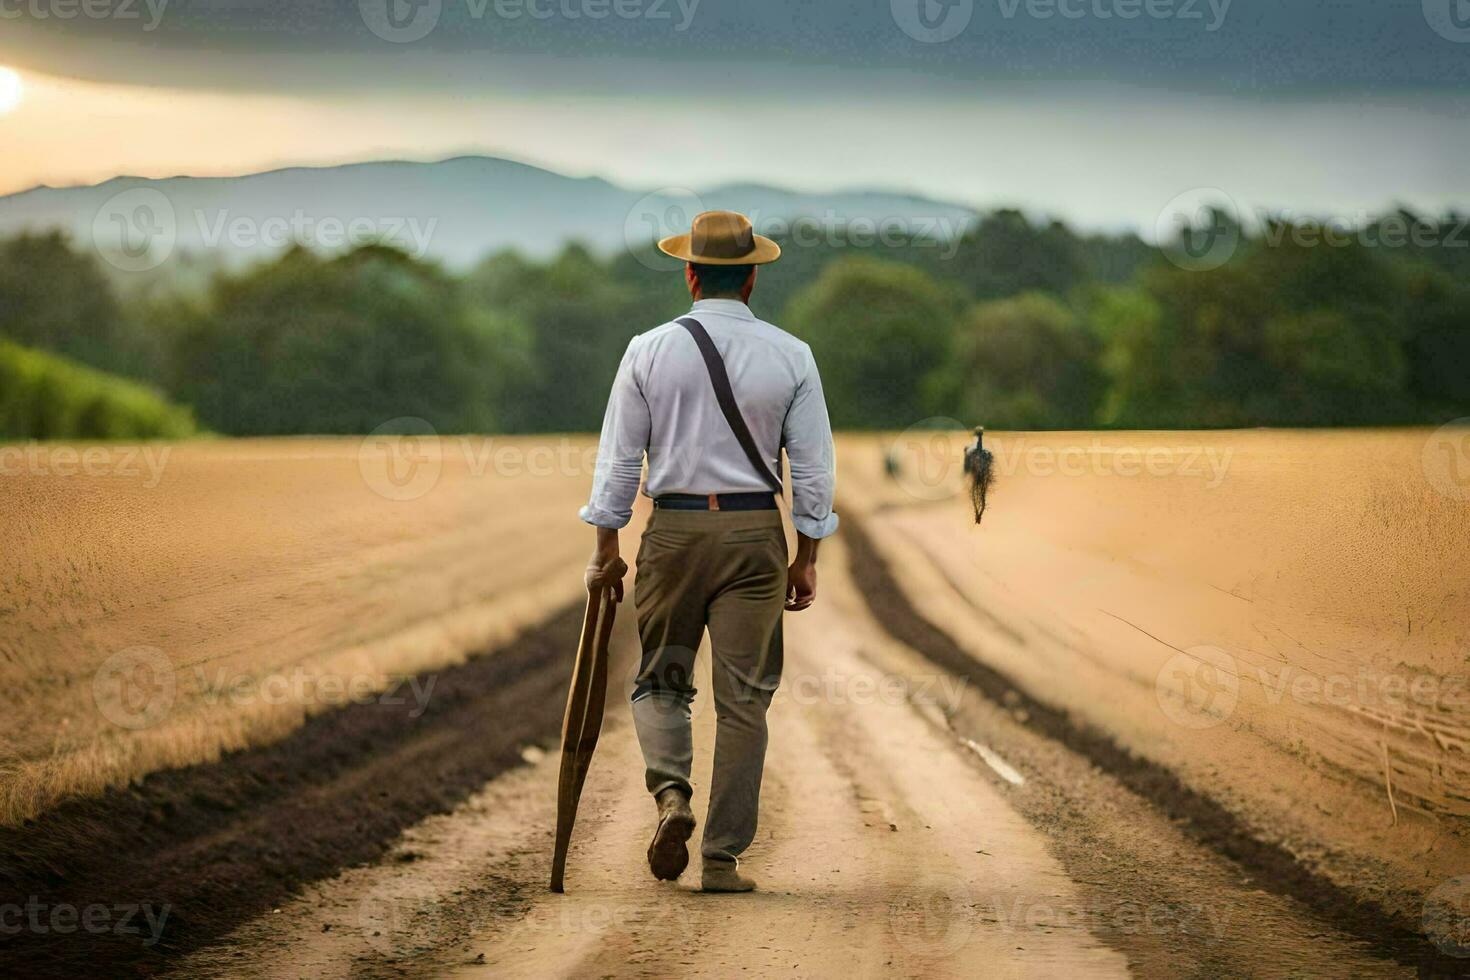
(721, 279)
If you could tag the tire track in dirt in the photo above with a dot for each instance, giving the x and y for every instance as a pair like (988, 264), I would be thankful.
(215, 845)
(1204, 820)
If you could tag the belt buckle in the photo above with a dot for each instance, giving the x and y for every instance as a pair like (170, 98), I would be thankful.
(714, 501)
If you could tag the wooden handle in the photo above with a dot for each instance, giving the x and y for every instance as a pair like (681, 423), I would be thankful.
(582, 723)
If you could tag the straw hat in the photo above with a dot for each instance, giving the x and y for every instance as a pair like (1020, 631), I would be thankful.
(721, 238)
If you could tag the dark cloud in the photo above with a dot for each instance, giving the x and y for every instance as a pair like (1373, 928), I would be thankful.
(1263, 47)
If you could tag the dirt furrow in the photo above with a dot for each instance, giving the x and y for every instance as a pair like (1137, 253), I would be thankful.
(1266, 865)
(189, 854)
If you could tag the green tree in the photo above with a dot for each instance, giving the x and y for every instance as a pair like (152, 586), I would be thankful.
(1004, 254)
(877, 329)
(55, 298)
(1285, 333)
(312, 345)
(1024, 363)
(580, 319)
(1438, 347)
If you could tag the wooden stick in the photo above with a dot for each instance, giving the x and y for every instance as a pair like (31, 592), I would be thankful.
(582, 723)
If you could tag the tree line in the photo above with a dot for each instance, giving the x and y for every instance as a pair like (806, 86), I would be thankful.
(1021, 325)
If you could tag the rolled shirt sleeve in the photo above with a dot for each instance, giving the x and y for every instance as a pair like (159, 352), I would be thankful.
(809, 450)
(620, 449)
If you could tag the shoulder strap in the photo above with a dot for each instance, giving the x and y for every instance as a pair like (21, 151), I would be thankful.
(726, 397)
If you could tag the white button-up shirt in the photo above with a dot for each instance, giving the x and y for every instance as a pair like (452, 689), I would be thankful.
(663, 404)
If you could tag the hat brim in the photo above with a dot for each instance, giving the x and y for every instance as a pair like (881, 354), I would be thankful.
(679, 246)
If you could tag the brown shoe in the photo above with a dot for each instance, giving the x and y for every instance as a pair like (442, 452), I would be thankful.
(668, 853)
(724, 876)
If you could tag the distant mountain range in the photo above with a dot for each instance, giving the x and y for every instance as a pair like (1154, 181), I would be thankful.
(456, 211)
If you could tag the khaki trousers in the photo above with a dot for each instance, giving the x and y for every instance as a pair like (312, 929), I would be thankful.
(725, 570)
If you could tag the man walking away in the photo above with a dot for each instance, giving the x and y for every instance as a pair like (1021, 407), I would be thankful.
(711, 399)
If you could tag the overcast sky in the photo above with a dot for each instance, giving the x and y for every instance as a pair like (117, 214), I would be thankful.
(1099, 111)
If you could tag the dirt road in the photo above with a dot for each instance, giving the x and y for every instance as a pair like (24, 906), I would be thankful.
(891, 844)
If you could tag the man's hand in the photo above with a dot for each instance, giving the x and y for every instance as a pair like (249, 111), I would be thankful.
(606, 568)
(801, 577)
(801, 585)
